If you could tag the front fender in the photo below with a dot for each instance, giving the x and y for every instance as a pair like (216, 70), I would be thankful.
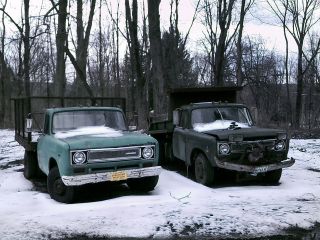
(49, 148)
(201, 142)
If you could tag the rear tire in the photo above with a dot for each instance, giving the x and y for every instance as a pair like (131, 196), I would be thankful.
(204, 172)
(30, 162)
(272, 177)
(145, 184)
(57, 189)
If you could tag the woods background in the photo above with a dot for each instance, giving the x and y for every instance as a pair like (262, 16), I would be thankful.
(104, 48)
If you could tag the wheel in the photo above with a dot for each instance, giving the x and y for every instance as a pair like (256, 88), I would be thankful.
(204, 172)
(57, 189)
(30, 164)
(272, 177)
(145, 184)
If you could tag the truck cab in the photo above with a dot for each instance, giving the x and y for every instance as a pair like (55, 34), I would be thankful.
(209, 136)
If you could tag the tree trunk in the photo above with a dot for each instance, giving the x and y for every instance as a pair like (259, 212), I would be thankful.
(220, 59)
(26, 59)
(80, 62)
(159, 93)
(299, 88)
(61, 38)
(142, 103)
(3, 73)
(224, 19)
(239, 74)
(101, 62)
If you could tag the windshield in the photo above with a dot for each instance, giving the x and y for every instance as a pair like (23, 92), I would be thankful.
(66, 121)
(206, 119)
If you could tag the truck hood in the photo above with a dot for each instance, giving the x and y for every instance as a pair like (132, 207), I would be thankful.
(91, 140)
(247, 133)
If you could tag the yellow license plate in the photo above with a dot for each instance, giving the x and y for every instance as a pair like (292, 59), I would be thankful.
(119, 176)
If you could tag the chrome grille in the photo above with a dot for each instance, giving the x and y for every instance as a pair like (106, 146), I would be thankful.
(122, 153)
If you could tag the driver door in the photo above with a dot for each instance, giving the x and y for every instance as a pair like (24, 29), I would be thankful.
(179, 136)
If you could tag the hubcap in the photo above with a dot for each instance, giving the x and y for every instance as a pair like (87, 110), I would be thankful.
(58, 187)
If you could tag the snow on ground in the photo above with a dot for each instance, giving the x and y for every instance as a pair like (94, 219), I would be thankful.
(177, 207)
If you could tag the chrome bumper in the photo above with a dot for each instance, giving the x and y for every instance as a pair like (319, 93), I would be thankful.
(255, 169)
(107, 176)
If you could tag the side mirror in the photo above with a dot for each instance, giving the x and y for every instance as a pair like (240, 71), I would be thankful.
(176, 115)
(28, 123)
(132, 128)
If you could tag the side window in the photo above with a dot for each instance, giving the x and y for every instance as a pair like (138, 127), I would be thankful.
(46, 124)
(184, 119)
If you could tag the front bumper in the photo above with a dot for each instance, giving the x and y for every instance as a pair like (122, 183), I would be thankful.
(109, 176)
(255, 169)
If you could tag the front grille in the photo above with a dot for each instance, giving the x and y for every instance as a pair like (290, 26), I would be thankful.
(265, 145)
(123, 153)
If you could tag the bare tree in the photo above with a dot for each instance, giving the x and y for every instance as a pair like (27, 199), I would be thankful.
(3, 72)
(224, 18)
(159, 93)
(61, 41)
(282, 16)
(134, 49)
(245, 6)
(218, 17)
(80, 61)
(300, 18)
(264, 77)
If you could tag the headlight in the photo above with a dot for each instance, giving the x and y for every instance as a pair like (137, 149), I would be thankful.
(282, 136)
(147, 152)
(79, 157)
(280, 145)
(224, 148)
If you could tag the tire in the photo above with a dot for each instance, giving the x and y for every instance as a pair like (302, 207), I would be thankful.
(145, 184)
(30, 162)
(57, 189)
(272, 177)
(204, 172)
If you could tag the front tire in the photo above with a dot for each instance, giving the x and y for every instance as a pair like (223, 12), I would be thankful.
(145, 184)
(204, 172)
(57, 189)
(273, 177)
(30, 163)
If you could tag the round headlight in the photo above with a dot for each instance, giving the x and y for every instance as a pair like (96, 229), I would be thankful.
(147, 152)
(280, 145)
(224, 148)
(79, 157)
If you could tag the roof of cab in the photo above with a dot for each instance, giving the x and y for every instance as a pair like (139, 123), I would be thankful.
(70, 109)
(211, 104)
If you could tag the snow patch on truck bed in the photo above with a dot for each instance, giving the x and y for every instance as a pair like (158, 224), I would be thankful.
(177, 207)
(97, 131)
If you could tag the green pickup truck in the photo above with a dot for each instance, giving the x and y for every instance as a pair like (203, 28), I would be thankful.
(84, 145)
(215, 137)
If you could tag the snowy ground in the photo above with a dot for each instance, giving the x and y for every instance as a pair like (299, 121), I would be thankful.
(177, 207)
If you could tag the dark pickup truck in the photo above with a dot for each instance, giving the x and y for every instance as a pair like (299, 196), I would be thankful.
(209, 134)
